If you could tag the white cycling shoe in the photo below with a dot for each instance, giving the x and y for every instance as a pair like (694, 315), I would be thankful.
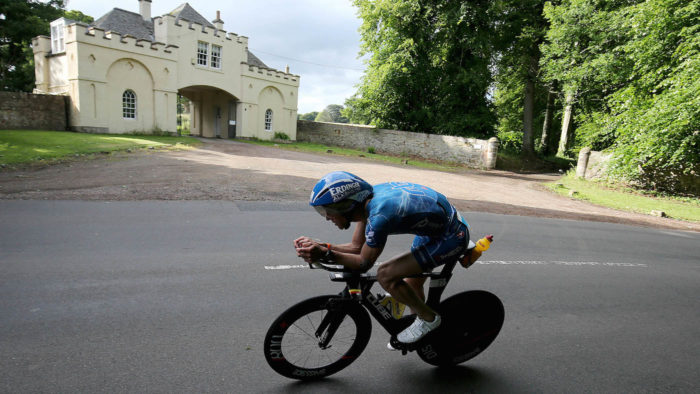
(418, 329)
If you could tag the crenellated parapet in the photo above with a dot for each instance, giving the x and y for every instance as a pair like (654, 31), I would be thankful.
(167, 22)
(82, 33)
(269, 73)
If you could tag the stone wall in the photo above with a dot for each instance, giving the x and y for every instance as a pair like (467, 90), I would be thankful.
(470, 151)
(594, 165)
(32, 111)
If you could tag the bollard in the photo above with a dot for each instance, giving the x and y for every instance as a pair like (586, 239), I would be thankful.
(491, 153)
(583, 162)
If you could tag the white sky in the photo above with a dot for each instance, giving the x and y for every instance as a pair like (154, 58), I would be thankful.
(297, 33)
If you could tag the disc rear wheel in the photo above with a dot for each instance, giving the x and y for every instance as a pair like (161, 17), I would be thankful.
(471, 322)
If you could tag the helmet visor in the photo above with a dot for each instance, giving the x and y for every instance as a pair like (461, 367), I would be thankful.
(339, 208)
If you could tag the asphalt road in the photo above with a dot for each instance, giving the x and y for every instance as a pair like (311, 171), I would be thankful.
(176, 297)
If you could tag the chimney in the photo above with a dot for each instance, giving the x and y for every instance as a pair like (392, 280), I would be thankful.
(286, 69)
(145, 9)
(218, 23)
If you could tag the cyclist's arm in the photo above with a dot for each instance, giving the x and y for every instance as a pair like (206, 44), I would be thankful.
(355, 245)
(354, 255)
(304, 243)
(362, 261)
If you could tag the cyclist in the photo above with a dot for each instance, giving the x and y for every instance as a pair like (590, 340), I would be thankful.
(441, 233)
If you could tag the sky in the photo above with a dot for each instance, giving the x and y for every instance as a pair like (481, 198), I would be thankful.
(318, 39)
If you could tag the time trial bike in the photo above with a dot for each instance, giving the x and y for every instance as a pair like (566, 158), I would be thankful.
(322, 335)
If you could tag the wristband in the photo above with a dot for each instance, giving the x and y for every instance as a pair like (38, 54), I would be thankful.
(328, 251)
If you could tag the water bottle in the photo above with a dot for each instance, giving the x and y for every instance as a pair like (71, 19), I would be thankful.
(481, 245)
(392, 305)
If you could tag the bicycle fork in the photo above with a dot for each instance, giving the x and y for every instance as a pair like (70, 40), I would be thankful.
(330, 323)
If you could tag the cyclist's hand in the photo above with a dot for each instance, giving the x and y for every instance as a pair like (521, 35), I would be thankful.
(303, 242)
(311, 253)
(308, 249)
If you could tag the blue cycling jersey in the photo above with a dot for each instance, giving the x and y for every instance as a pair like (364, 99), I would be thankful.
(407, 208)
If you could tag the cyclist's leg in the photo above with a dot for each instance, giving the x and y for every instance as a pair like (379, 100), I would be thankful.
(417, 286)
(430, 252)
(391, 276)
(418, 283)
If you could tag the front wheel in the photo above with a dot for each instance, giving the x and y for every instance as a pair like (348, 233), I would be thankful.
(471, 321)
(317, 337)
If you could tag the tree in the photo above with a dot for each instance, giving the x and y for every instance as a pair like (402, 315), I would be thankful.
(520, 92)
(428, 66)
(78, 16)
(23, 20)
(332, 113)
(309, 116)
(356, 110)
(579, 55)
(544, 147)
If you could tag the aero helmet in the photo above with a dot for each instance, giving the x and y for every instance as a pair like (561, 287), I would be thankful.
(339, 192)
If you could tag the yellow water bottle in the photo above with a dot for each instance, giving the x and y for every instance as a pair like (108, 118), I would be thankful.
(481, 245)
(392, 305)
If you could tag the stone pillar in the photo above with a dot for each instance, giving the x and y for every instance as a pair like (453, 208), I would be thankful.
(582, 162)
(491, 153)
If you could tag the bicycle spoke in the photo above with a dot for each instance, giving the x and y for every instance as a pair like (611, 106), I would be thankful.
(301, 347)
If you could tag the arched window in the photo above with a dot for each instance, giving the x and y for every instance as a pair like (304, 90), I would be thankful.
(129, 104)
(268, 120)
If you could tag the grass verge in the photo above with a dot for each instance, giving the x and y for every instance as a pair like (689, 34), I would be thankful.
(334, 150)
(26, 147)
(626, 199)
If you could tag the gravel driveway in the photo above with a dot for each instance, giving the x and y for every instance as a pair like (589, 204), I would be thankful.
(234, 171)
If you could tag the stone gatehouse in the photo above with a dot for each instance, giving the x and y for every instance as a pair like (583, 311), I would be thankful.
(124, 72)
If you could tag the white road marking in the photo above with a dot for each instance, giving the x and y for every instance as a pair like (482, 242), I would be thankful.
(285, 267)
(574, 263)
(502, 262)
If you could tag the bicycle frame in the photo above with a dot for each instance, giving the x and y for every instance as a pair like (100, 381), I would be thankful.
(363, 282)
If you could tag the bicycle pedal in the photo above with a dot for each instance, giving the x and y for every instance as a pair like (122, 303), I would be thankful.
(398, 345)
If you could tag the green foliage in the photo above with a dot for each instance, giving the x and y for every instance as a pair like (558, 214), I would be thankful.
(627, 199)
(510, 141)
(635, 67)
(521, 30)
(309, 116)
(357, 110)
(371, 150)
(23, 20)
(78, 16)
(428, 66)
(281, 136)
(332, 113)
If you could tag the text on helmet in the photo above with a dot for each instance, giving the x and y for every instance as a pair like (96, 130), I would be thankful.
(342, 191)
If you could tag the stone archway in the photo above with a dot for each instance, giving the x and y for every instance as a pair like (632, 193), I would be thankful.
(212, 112)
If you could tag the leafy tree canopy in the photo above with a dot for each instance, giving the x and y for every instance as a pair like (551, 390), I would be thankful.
(635, 67)
(309, 116)
(428, 68)
(78, 16)
(332, 113)
(22, 20)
